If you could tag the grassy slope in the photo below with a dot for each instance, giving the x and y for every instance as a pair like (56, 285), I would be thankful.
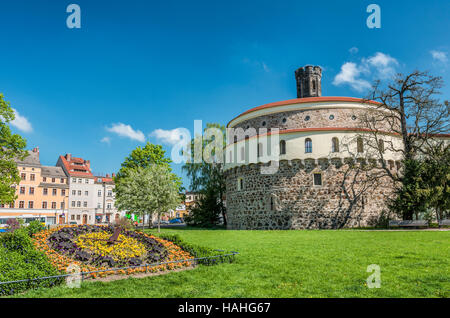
(296, 264)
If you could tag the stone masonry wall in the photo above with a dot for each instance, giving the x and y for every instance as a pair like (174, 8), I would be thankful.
(288, 199)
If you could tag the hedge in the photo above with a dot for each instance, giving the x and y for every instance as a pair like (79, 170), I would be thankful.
(20, 260)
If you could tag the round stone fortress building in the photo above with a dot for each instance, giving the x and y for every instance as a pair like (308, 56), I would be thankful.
(296, 164)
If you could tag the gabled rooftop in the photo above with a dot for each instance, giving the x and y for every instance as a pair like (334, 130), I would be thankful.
(76, 167)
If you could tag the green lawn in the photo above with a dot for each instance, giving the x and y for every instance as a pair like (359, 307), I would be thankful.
(296, 264)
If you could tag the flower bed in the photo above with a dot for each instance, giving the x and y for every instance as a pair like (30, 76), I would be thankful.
(86, 246)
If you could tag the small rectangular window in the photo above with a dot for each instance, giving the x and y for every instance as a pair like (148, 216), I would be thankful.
(317, 179)
(240, 185)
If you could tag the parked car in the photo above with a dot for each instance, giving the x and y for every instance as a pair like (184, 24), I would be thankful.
(176, 220)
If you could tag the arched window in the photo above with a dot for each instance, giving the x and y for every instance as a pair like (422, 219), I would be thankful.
(334, 144)
(260, 150)
(359, 145)
(308, 145)
(314, 85)
(381, 145)
(235, 139)
(282, 147)
(271, 203)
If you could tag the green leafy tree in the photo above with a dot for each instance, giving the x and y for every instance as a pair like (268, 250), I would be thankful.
(149, 190)
(435, 189)
(207, 176)
(426, 185)
(409, 198)
(143, 157)
(12, 146)
(208, 210)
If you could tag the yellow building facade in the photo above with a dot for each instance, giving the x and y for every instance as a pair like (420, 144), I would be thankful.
(42, 193)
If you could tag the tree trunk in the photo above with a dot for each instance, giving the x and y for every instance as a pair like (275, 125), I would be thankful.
(159, 223)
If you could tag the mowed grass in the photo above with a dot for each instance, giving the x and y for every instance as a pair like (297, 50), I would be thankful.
(296, 264)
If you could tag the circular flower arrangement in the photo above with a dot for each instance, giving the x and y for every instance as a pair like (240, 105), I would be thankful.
(87, 246)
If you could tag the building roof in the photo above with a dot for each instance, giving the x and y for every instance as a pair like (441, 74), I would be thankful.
(76, 167)
(108, 180)
(56, 172)
(54, 185)
(32, 160)
(307, 100)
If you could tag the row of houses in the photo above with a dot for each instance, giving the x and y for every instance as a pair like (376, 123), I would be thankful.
(67, 193)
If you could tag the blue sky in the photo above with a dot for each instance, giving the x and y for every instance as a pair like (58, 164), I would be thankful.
(136, 70)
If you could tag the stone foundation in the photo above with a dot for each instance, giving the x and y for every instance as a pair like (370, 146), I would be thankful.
(288, 199)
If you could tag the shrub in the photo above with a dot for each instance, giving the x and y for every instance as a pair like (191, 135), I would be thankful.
(20, 260)
(13, 224)
(35, 227)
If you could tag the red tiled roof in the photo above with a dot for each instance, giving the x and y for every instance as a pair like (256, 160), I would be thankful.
(104, 179)
(69, 167)
(307, 100)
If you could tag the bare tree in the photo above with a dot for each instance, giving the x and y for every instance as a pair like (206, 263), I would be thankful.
(402, 122)
(407, 109)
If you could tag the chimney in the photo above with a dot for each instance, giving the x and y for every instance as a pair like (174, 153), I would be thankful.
(113, 175)
(68, 157)
(36, 150)
(88, 164)
(107, 175)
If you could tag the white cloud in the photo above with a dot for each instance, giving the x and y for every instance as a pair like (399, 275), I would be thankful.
(349, 74)
(439, 56)
(170, 137)
(383, 63)
(126, 131)
(353, 50)
(359, 75)
(106, 140)
(21, 122)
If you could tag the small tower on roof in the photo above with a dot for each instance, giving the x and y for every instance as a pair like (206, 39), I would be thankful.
(309, 81)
